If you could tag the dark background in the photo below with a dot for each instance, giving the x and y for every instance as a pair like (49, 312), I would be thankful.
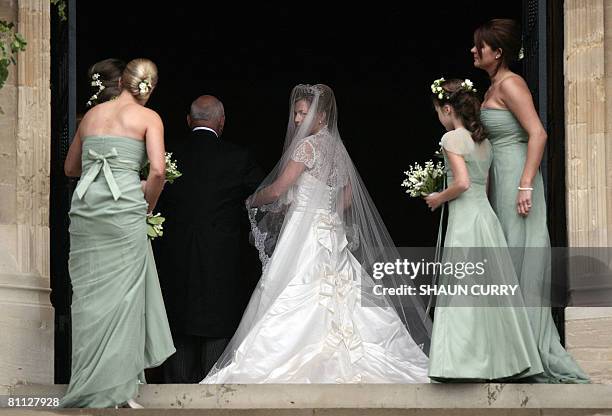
(380, 61)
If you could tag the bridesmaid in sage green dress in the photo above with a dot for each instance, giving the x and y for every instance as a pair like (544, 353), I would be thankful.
(477, 338)
(517, 191)
(119, 323)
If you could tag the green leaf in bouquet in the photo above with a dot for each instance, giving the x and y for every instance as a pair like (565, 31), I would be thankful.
(151, 231)
(156, 220)
(170, 177)
(154, 225)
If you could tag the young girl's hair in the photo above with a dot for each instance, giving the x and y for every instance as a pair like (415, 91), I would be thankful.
(463, 99)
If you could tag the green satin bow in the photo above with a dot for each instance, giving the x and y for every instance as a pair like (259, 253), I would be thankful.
(100, 164)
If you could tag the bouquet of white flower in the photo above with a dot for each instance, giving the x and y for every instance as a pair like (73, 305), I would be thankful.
(172, 171)
(154, 222)
(154, 225)
(422, 181)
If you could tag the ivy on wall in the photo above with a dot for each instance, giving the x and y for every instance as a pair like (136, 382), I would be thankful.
(11, 42)
(61, 8)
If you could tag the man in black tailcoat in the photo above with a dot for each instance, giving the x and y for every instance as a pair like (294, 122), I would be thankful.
(207, 268)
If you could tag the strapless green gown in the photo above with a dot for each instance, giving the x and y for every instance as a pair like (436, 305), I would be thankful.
(119, 323)
(530, 236)
(478, 338)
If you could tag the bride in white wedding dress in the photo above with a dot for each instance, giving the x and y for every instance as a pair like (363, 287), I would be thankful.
(313, 317)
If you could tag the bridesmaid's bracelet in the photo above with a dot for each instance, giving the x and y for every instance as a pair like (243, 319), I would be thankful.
(520, 188)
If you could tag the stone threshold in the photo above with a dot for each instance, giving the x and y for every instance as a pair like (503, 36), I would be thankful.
(349, 399)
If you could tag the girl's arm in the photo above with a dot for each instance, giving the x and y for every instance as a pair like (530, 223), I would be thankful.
(461, 182)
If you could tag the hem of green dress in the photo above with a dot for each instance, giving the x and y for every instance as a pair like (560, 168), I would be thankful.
(544, 378)
(456, 379)
(102, 399)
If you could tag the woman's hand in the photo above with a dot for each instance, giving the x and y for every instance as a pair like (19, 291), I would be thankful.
(433, 200)
(523, 203)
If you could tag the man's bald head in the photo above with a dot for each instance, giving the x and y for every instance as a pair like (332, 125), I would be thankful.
(207, 111)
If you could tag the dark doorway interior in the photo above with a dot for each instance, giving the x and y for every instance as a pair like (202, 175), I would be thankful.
(380, 60)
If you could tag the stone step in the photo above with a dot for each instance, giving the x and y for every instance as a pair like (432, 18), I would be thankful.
(348, 399)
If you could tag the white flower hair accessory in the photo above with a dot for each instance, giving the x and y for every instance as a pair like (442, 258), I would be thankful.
(521, 54)
(468, 86)
(437, 89)
(95, 82)
(144, 86)
(442, 94)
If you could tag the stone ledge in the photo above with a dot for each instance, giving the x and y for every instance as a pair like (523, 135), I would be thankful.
(478, 398)
(585, 312)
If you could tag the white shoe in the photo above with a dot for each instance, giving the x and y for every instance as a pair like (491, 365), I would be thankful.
(134, 405)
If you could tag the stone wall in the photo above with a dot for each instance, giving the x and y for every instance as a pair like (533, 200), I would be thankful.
(26, 315)
(588, 93)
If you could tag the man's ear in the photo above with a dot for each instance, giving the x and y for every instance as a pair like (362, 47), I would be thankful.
(188, 120)
(221, 124)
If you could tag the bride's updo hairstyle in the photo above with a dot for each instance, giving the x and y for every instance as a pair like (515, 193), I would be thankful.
(461, 96)
(139, 78)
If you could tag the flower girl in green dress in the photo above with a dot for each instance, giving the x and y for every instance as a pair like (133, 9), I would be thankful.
(475, 337)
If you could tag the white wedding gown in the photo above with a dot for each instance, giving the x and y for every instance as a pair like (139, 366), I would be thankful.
(305, 322)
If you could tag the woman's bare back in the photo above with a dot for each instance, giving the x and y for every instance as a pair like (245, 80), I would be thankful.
(117, 118)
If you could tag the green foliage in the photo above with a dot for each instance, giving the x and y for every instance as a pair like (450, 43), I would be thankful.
(154, 226)
(11, 43)
(61, 8)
